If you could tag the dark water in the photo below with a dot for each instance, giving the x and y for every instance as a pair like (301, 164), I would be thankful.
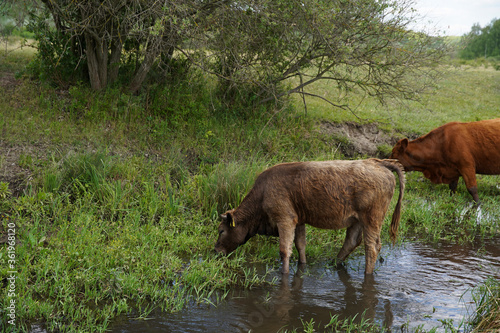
(416, 284)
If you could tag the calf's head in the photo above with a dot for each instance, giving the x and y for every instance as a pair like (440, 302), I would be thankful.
(231, 234)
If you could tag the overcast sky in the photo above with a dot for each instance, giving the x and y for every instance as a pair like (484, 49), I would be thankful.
(456, 17)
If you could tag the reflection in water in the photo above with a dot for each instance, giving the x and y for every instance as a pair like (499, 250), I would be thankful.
(474, 211)
(416, 284)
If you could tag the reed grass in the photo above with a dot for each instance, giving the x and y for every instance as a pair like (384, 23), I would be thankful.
(485, 317)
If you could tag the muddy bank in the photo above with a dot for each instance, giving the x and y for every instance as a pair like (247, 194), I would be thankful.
(355, 139)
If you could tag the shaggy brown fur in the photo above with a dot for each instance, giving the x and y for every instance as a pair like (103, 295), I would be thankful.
(329, 195)
(453, 150)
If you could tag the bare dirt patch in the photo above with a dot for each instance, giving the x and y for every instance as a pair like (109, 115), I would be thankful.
(16, 162)
(361, 139)
(8, 80)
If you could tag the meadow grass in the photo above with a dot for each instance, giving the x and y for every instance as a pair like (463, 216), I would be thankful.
(464, 93)
(115, 198)
(15, 54)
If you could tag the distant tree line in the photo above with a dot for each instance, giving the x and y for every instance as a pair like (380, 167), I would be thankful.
(365, 46)
(482, 42)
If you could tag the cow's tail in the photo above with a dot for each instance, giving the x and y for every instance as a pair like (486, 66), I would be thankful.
(397, 167)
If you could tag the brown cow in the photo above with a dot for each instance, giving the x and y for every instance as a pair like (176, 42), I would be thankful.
(453, 150)
(328, 195)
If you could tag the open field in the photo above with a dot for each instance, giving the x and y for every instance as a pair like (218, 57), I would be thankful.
(464, 94)
(114, 199)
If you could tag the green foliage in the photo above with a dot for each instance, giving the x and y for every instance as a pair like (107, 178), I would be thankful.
(5, 194)
(180, 100)
(431, 212)
(59, 58)
(252, 49)
(114, 234)
(363, 45)
(482, 42)
(460, 95)
(12, 16)
(4, 191)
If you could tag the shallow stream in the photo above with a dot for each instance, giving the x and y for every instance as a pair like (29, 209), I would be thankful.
(416, 285)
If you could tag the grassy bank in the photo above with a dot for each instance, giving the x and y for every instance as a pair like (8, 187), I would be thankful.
(112, 199)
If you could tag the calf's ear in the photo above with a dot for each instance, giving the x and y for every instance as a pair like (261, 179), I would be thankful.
(228, 218)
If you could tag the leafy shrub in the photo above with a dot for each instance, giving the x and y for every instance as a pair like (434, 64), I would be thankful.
(60, 59)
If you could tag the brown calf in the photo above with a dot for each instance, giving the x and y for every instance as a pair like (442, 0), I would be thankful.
(328, 195)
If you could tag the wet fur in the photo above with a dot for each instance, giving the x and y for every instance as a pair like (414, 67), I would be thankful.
(328, 195)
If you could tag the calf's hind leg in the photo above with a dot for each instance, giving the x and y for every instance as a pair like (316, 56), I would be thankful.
(353, 237)
(371, 235)
(300, 242)
(372, 249)
(286, 230)
(286, 240)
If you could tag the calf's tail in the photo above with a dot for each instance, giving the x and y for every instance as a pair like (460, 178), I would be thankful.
(397, 167)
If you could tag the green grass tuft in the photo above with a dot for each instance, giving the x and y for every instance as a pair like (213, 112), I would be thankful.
(485, 316)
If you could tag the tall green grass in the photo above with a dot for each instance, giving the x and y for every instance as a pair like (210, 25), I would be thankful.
(118, 235)
(108, 236)
(431, 213)
(223, 186)
(15, 54)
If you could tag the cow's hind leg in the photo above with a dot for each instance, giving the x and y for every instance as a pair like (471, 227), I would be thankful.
(473, 191)
(372, 249)
(353, 237)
